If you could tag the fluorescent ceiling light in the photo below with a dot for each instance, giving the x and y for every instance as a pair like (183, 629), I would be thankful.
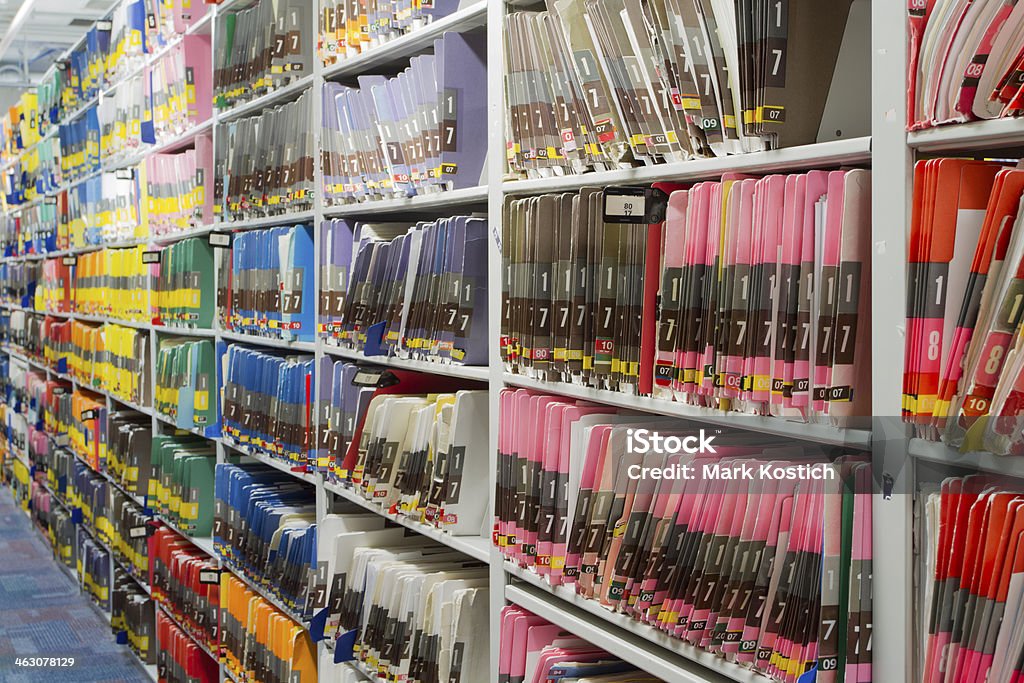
(12, 31)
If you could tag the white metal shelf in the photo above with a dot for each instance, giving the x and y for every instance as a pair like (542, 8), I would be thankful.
(817, 433)
(409, 44)
(639, 644)
(980, 461)
(476, 373)
(430, 201)
(203, 543)
(818, 155)
(283, 219)
(477, 547)
(302, 346)
(169, 144)
(168, 420)
(270, 461)
(283, 94)
(973, 136)
(172, 331)
(161, 239)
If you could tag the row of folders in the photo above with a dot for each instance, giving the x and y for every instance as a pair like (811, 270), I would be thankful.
(409, 443)
(749, 547)
(965, 62)
(963, 374)
(168, 98)
(621, 543)
(162, 195)
(392, 289)
(195, 614)
(112, 48)
(749, 294)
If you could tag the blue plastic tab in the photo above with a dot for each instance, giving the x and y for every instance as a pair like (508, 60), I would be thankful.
(374, 336)
(317, 624)
(343, 647)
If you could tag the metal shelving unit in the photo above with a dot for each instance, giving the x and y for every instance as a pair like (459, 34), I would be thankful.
(888, 150)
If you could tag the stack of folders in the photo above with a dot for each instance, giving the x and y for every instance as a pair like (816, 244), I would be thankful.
(336, 255)
(125, 39)
(186, 378)
(178, 91)
(103, 208)
(22, 330)
(23, 117)
(184, 291)
(48, 94)
(57, 409)
(80, 146)
(86, 67)
(749, 294)
(57, 345)
(44, 160)
(264, 163)
(55, 518)
(416, 292)
(419, 456)
(349, 390)
(21, 483)
(966, 258)
(272, 284)
(127, 536)
(169, 98)
(121, 116)
(41, 506)
(129, 451)
(186, 583)
(86, 353)
(89, 494)
(179, 657)
(94, 570)
(260, 640)
(83, 417)
(18, 282)
(436, 600)
(54, 288)
(668, 551)
(176, 189)
(533, 649)
(347, 30)
(597, 85)
(169, 20)
(417, 133)
(972, 568)
(265, 46)
(964, 62)
(123, 365)
(132, 613)
(38, 227)
(113, 283)
(10, 236)
(265, 528)
(267, 402)
(37, 172)
(181, 487)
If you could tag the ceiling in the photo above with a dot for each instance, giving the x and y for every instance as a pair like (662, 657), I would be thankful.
(52, 27)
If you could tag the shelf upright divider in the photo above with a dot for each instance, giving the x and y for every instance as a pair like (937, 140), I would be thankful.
(495, 170)
(892, 502)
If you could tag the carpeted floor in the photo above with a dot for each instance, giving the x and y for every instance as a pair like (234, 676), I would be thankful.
(43, 614)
